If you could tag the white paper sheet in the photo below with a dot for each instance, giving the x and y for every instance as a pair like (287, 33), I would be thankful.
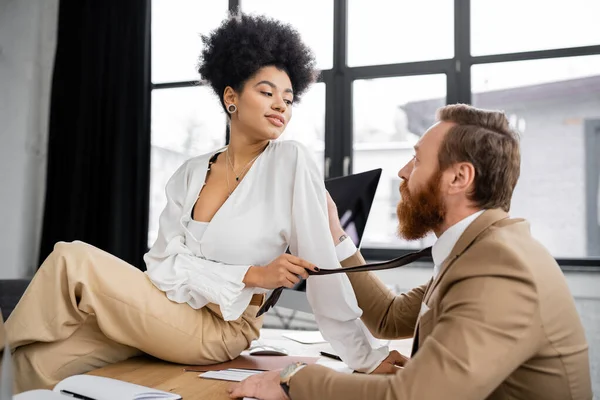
(338, 366)
(306, 337)
(231, 374)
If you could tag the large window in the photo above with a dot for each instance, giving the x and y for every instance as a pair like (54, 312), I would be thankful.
(512, 26)
(176, 42)
(187, 119)
(549, 101)
(312, 18)
(386, 66)
(186, 122)
(307, 125)
(385, 132)
(374, 27)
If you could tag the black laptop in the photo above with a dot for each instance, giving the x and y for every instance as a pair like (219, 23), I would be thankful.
(354, 195)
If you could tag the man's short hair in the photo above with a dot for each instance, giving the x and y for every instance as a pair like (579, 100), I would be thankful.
(484, 139)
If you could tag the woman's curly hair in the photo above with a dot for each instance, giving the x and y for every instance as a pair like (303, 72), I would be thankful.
(243, 44)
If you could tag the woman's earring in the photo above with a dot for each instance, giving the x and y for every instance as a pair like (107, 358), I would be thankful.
(231, 108)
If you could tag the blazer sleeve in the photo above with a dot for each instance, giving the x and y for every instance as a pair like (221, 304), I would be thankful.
(475, 345)
(331, 297)
(184, 277)
(386, 315)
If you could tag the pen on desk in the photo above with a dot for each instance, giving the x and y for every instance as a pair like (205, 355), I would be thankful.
(75, 395)
(325, 354)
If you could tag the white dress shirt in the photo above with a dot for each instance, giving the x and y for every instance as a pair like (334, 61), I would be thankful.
(280, 202)
(346, 248)
(442, 248)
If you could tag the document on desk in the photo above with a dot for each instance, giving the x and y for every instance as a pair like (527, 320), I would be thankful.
(305, 337)
(231, 374)
(253, 363)
(338, 366)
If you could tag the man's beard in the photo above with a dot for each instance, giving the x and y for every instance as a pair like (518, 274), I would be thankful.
(421, 212)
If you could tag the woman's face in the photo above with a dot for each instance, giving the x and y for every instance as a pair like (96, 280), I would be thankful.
(264, 105)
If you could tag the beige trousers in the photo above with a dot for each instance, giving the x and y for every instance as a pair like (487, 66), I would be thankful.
(86, 308)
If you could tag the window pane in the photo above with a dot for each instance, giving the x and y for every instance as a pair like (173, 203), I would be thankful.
(511, 26)
(312, 18)
(307, 125)
(549, 102)
(388, 32)
(185, 123)
(390, 115)
(176, 29)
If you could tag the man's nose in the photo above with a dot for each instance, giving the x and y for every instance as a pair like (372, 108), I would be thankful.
(405, 171)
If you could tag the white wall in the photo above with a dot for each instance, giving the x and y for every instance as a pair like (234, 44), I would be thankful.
(27, 46)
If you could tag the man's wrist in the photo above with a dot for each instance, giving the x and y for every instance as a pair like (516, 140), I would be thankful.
(345, 248)
(338, 235)
(286, 376)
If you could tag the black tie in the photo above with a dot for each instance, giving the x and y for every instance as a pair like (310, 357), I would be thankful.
(379, 266)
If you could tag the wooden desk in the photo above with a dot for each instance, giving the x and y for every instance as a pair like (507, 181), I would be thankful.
(168, 377)
(160, 375)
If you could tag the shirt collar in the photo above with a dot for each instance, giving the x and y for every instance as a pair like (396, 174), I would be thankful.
(443, 246)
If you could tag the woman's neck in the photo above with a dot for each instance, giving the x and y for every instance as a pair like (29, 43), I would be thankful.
(242, 150)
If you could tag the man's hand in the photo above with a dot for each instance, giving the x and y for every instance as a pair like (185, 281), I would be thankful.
(335, 226)
(263, 386)
(391, 364)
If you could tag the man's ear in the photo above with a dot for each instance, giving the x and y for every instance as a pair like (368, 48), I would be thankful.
(463, 176)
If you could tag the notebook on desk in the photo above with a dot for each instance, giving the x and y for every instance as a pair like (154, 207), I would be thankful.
(88, 387)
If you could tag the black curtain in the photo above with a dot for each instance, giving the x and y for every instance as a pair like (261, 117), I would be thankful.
(98, 175)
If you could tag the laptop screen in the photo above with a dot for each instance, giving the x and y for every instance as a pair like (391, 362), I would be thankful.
(354, 195)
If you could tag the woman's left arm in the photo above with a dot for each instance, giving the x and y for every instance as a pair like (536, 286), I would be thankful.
(331, 297)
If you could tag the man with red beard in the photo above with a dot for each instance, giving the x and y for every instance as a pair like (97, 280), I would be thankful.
(495, 321)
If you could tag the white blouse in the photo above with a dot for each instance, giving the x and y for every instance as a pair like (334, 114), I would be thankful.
(197, 228)
(280, 202)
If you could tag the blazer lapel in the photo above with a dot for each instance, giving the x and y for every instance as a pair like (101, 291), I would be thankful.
(477, 227)
(416, 333)
(415, 343)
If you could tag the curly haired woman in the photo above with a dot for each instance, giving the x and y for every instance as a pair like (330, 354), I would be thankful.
(230, 216)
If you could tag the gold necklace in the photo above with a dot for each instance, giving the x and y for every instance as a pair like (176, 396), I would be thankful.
(237, 176)
(227, 177)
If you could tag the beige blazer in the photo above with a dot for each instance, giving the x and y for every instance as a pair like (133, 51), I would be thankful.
(499, 322)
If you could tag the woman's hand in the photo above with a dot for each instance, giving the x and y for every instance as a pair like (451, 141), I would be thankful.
(283, 271)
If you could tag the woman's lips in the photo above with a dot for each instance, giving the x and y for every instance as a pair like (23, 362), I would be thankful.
(275, 121)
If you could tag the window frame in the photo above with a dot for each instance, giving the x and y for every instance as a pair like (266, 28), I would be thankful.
(338, 95)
